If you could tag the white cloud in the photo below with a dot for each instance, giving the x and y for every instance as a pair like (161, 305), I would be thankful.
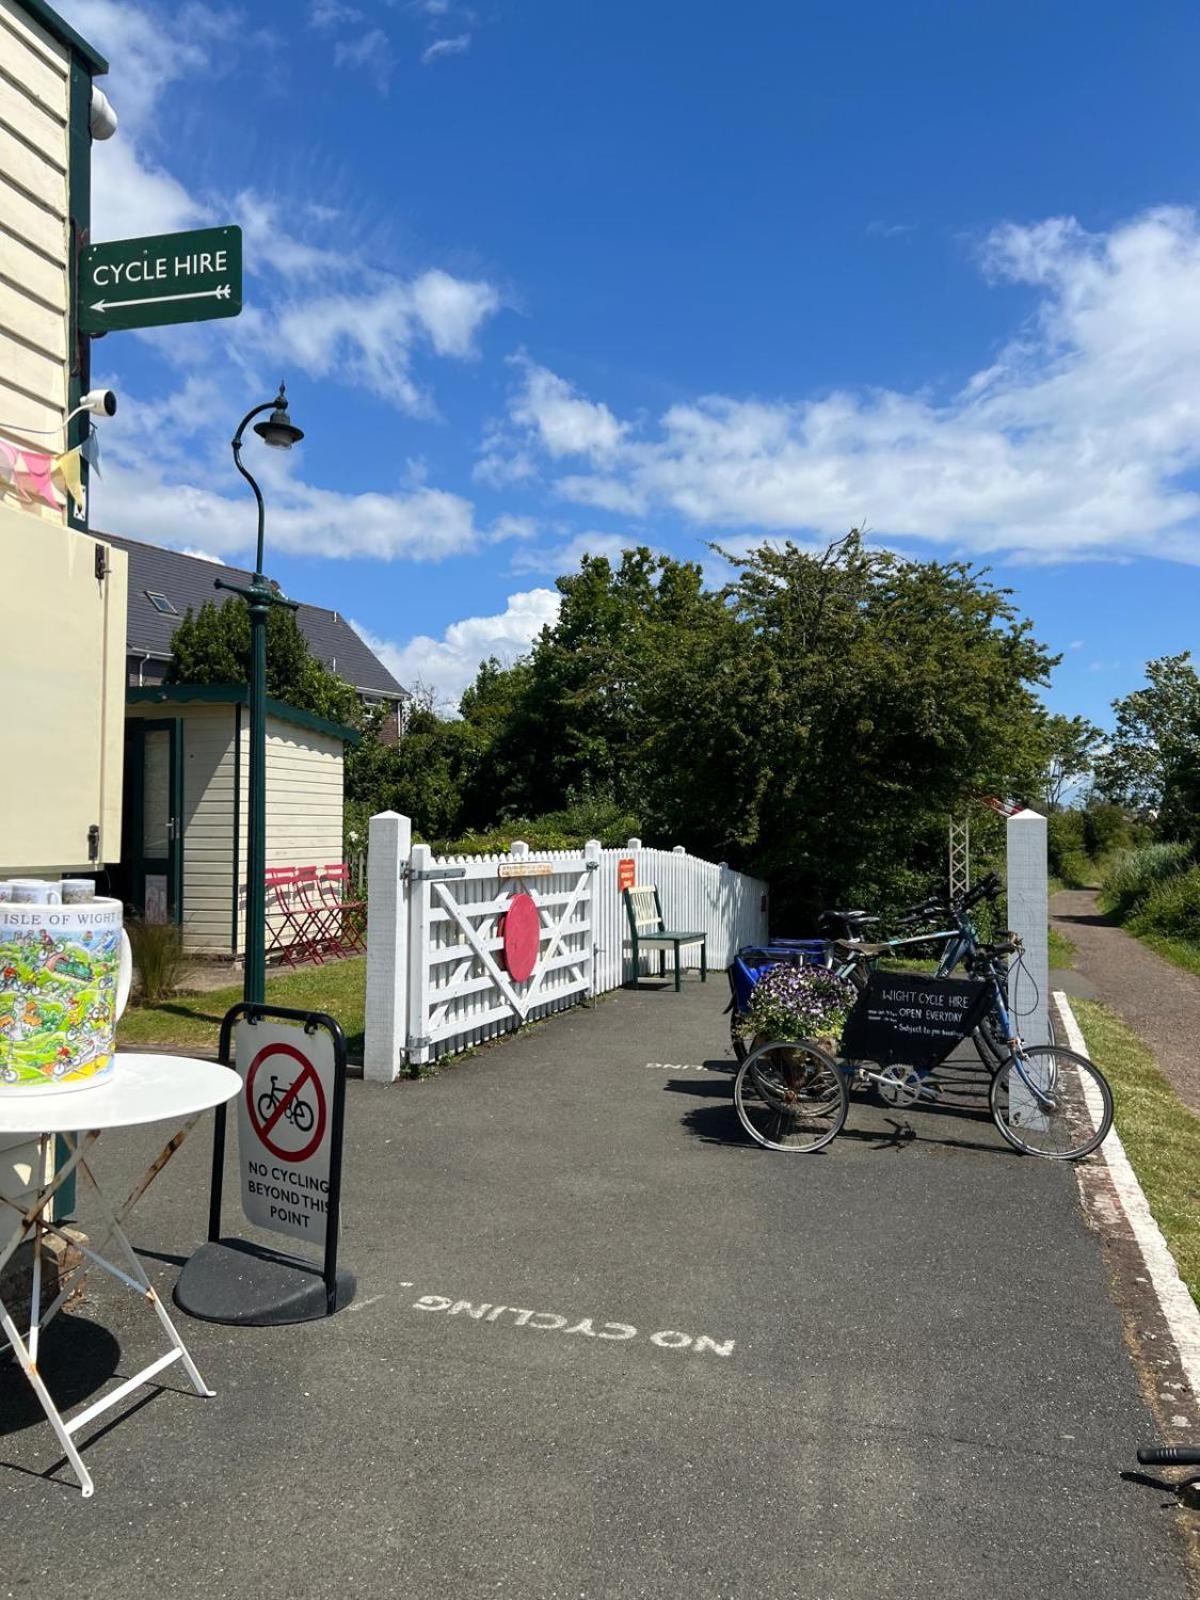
(449, 664)
(372, 51)
(441, 48)
(202, 555)
(1077, 442)
(369, 339)
(331, 13)
(566, 557)
(564, 423)
(131, 192)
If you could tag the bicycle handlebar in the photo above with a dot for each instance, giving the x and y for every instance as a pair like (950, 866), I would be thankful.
(1169, 1455)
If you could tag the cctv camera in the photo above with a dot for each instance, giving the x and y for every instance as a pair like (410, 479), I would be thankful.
(101, 402)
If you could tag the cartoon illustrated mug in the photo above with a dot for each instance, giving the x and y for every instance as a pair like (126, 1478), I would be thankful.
(65, 973)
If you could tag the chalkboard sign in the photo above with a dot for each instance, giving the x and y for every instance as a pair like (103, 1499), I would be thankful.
(905, 1017)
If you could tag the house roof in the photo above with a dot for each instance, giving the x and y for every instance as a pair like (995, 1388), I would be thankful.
(238, 694)
(188, 581)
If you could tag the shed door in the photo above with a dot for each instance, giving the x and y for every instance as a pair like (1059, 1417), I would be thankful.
(154, 773)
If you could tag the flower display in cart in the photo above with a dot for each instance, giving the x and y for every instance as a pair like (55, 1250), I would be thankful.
(793, 1002)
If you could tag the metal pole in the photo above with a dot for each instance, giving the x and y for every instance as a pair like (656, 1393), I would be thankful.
(259, 597)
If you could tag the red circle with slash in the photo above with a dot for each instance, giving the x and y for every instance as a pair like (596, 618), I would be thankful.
(284, 1103)
(522, 936)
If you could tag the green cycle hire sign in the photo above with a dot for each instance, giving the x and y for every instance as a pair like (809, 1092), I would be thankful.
(166, 277)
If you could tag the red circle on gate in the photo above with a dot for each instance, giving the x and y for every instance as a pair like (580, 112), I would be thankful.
(522, 935)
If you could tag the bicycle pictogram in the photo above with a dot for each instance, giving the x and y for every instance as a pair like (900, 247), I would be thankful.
(295, 1109)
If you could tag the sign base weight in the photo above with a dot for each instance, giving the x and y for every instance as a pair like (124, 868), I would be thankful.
(252, 1286)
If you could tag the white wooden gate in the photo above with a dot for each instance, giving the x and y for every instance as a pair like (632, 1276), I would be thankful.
(459, 992)
(436, 980)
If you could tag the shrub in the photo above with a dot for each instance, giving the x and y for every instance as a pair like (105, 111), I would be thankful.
(1172, 907)
(158, 957)
(1106, 828)
(1132, 874)
(1066, 839)
(801, 1003)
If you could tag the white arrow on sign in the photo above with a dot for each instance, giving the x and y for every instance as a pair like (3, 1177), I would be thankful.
(222, 293)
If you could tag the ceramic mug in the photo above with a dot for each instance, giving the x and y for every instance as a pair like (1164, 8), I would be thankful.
(77, 891)
(36, 892)
(65, 974)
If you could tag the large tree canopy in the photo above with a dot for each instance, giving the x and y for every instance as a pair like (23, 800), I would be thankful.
(1152, 763)
(818, 719)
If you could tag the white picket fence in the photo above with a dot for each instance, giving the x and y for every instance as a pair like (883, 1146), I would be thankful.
(435, 983)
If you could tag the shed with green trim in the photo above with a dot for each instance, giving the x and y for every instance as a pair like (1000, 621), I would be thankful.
(183, 854)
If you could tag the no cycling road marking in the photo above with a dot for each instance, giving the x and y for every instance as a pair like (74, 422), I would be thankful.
(484, 1311)
(683, 1066)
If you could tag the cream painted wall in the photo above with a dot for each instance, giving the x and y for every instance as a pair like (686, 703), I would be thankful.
(34, 244)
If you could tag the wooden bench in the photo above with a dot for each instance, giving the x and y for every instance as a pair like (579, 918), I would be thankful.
(648, 931)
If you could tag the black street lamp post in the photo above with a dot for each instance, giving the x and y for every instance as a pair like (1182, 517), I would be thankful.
(280, 432)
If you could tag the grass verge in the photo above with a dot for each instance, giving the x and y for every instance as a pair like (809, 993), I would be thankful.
(1161, 1136)
(1183, 953)
(1062, 950)
(193, 1020)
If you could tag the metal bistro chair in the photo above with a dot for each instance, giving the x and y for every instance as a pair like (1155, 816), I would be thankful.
(291, 934)
(348, 916)
(647, 930)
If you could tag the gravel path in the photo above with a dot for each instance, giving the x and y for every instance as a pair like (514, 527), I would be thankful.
(1161, 1003)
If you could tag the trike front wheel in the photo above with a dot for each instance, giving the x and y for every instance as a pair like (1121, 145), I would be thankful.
(791, 1096)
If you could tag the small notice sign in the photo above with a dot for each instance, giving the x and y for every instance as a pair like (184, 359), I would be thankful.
(284, 1126)
(907, 1018)
(626, 874)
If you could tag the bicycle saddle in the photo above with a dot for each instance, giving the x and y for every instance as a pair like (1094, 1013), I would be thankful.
(850, 919)
(852, 947)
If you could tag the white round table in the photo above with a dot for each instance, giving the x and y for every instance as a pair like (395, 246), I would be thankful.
(142, 1089)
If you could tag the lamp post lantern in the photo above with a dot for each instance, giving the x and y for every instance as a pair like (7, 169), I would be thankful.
(280, 433)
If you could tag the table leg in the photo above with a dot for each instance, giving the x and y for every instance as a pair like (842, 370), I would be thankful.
(33, 1223)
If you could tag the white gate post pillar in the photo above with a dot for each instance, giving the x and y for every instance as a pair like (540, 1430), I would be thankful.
(1029, 916)
(389, 846)
(591, 854)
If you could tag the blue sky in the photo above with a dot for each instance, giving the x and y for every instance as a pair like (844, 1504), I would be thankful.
(548, 275)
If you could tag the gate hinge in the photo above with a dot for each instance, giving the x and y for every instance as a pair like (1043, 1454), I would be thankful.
(94, 842)
(429, 873)
(417, 1041)
(102, 561)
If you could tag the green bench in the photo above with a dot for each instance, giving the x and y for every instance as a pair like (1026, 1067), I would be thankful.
(648, 931)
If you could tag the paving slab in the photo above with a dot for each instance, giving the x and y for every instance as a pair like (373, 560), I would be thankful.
(606, 1346)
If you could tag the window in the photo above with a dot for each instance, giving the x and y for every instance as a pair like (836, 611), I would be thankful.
(161, 603)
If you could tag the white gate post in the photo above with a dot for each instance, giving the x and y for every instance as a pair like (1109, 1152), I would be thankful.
(591, 854)
(417, 1042)
(389, 842)
(1029, 916)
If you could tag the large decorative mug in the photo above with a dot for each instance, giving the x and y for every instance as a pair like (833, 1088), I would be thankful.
(65, 973)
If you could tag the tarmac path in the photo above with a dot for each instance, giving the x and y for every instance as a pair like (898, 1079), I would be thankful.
(605, 1347)
(1159, 1001)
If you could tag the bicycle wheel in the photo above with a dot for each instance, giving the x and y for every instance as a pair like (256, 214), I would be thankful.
(990, 1044)
(1050, 1102)
(791, 1097)
(266, 1104)
(302, 1115)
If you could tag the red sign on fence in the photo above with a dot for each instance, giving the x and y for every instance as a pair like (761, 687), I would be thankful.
(626, 873)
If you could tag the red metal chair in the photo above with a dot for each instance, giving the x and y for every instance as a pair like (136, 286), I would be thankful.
(317, 916)
(348, 916)
(288, 918)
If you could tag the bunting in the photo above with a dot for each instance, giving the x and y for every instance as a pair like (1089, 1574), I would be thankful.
(33, 476)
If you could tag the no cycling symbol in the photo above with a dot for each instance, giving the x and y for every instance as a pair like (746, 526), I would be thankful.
(286, 1107)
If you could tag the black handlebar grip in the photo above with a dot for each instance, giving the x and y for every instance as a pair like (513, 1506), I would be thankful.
(1169, 1455)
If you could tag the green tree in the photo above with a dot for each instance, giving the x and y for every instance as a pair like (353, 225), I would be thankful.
(1072, 744)
(213, 646)
(1152, 763)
